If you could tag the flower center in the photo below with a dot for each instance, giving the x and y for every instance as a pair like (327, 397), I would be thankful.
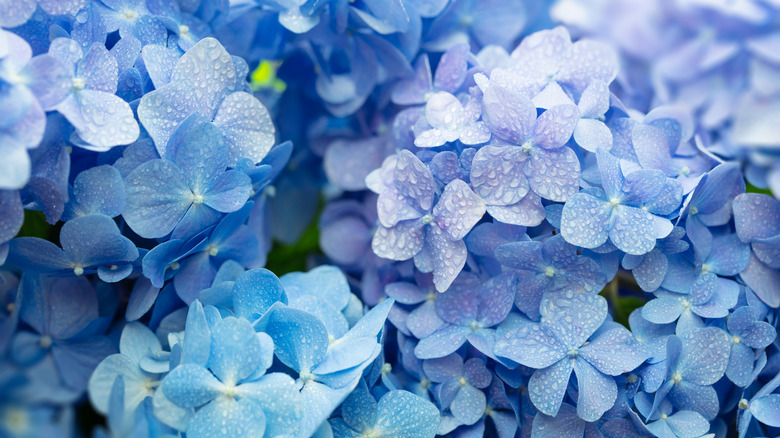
(475, 325)
(130, 14)
(743, 404)
(427, 219)
(693, 210)
(212, 250)
(614, 202)
(184, 29)
(574, 352)
(677, 377)
(685, 171)
(462, 381)
(197, 198)
(549, 271)
(174, 266)
(78, 84)
(78, 271)
(735, 340)
(425, 383)
(17, 421)
(11, 307)
(527, 147)
(431, 296)
(386, 368)
(45, 341)
(664, 416)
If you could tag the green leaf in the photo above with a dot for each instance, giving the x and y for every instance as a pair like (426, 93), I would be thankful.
(35, 225)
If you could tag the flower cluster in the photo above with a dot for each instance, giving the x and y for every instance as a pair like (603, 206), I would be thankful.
(486, 227)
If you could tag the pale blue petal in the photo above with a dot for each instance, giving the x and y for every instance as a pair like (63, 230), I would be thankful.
(554, 174)
(247, 127)
(547, 386)
(468, 406)
(101, 119)
(614, 352)
(441, 343)
(597, 392)
(662, 310)
(592, 135)
(400, 242)
(157, 198)
(497, 174)
(530, 344)
(190, 386)
(401, 413)
(584, 221)
(414, 180)
(255, 291)
(458, 210)
(300, 339)
(235, 418)
(235, 350)
(555, 126)
(509, 115)
(767, 410)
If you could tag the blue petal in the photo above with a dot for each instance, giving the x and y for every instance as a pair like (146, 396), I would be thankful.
(157, 198)
(458, 209)
(767, 410)
(190, 386)
(101, 119)
(99, 190)
(756, 216)
(634, 230)
(400, 242)
(573, 316)
(327, 283)
(401, 413)
(530, 344)
(278, 396)
(413, 179)
(554, 174)
(592, 135)
(37, 255)
(587, 61)
(300, 339)
(584, 221)
(614, 352)
(255, 291)
(95, 239)
(247, 127)
(236, 418)
(555, 126)
(469, 405)
(497, 174)
(705, 355)
(662, 310)
(441, 343)
(235, 350)
(508, 114)
(597, 392)
(547, 386)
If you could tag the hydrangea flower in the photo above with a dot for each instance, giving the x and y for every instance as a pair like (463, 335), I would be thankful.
(467, 310)
(188, 191)
(59, 311)
(102, 119)
(90, 244)
(748, 335)
(529, 153)
(231, 387)
(461, 385)
(629, 212)
(398, 413)
(205, 81)
(412, 226)
(695, 361)
(559, 345)
(548, 266)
